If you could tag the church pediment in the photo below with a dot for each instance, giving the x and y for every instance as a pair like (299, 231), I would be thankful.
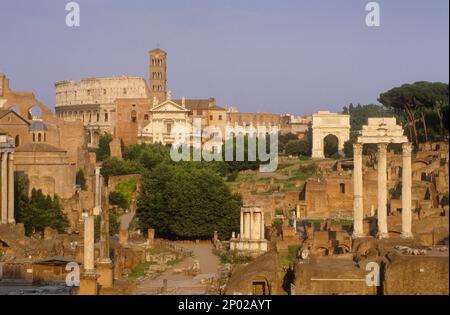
(168, 106)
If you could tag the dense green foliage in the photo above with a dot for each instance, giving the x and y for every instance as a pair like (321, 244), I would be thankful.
(39, 211)
(126, 188)
(114, 167)
(297, 148)
(421, 107)
(284, 139)
(177, 199)
(103, 151)
(118, 199)
(147, 155)
(187, 200)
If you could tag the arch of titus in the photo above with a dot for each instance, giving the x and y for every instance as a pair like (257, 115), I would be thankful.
(381, 131)
(7, 179)
(325, 123)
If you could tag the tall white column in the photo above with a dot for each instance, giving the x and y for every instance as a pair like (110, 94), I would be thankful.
(11, 219)
(89, 244)
(406, 191)
(262, 225)
(242, 225)
(250, 219)
(247, 225)
(382, 191)
(4, 188)
(358, 212)
(98, 190)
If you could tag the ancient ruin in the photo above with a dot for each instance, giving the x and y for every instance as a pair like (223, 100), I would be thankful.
(252, 231)
(325, 123)
(382, 131)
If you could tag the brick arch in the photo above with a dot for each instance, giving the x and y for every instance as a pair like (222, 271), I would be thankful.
(23, 108)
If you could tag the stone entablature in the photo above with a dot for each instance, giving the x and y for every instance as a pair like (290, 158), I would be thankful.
(325, 123)
(382, 130)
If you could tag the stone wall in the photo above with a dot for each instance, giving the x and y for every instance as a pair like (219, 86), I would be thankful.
(131, 116)
(416, 275)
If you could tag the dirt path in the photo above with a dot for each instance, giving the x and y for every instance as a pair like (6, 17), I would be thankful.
(180, 283)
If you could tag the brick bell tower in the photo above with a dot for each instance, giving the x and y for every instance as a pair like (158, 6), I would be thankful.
(158, 75)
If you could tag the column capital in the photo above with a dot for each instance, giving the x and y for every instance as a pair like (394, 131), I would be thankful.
(406, 148)
(382, 149)
(11, 156)
(357, 148)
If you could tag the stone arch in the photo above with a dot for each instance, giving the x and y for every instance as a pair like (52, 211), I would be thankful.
(326, 123)
(330, 145)
(34, 112)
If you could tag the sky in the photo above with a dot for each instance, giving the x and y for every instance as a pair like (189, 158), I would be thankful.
(281, 56)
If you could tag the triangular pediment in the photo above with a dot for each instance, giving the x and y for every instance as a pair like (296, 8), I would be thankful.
(11, 117)
(168, 106)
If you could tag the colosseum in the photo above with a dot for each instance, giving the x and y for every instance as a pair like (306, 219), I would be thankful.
(92, 101)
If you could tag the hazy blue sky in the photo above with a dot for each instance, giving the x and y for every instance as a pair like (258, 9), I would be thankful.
(280, 56)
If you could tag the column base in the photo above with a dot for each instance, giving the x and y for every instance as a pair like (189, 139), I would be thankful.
(12, 222)
(407, 235)
(105, 273)
(382, 235)
(88, 284)
(358, 235)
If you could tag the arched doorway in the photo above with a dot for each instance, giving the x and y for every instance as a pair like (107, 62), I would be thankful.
(17, 141)
(331, 146)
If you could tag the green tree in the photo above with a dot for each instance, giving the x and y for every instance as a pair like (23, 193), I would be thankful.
(416, 101)
(118, 199)
(283, 140)
(114, 225)
(148, 155)
(103, 151)
(297, 147)
(39, 211)
(187, 200)
(115, 167)
(237, 166)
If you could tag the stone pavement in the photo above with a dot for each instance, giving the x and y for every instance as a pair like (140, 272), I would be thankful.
(180, 283)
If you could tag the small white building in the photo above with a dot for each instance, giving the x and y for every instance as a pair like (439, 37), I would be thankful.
(252, 231)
